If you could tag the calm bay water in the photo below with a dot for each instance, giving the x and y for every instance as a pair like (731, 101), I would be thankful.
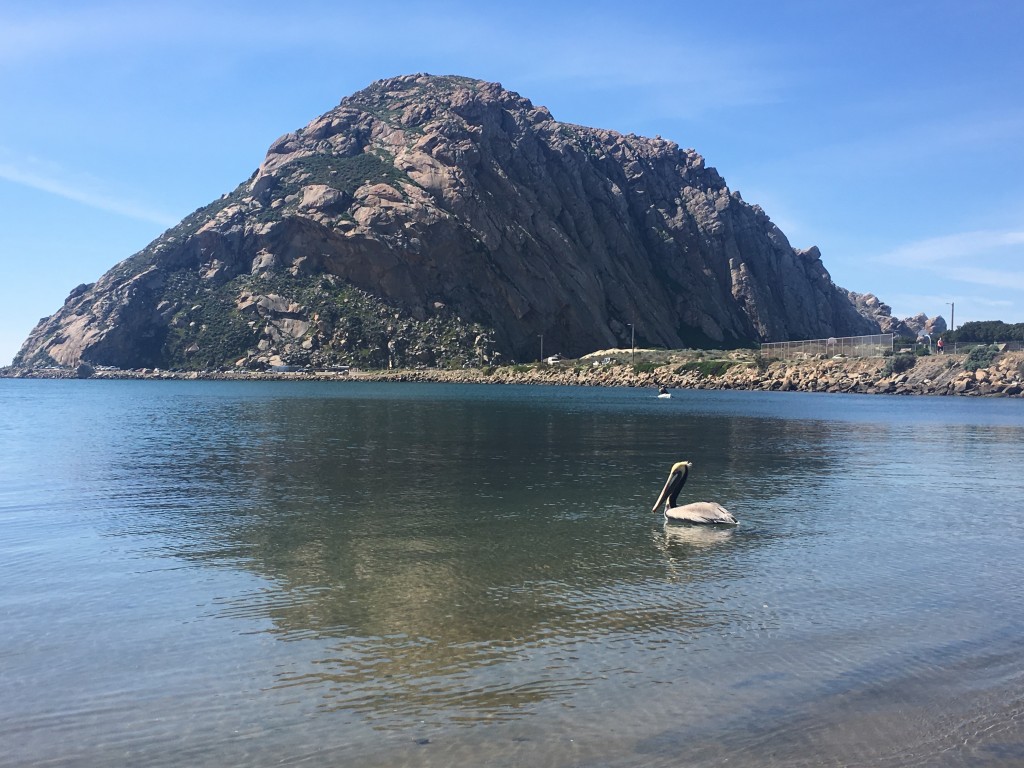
(212, 573)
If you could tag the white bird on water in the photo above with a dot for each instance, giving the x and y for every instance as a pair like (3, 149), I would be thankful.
(702, 512)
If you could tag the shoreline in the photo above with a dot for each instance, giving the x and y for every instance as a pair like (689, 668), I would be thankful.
(930, 375)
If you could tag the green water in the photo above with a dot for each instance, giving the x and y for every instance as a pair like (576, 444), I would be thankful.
(210, 573)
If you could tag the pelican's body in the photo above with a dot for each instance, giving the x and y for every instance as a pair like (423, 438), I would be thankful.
(701, 512)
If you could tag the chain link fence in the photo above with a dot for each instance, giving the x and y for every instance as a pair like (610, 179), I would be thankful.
(847, 346)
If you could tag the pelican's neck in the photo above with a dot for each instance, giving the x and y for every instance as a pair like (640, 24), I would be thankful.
(677, 485)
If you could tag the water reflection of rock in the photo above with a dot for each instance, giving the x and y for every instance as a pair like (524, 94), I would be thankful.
(483, 627)
(457, 554)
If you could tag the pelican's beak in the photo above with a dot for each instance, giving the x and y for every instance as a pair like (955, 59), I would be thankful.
(663, 494)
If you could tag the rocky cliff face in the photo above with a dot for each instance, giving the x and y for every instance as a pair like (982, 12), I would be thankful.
(442, 220)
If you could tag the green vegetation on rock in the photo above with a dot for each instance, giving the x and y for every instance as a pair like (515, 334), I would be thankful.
(898, 364)
(344, 326)
(707, 367)
(345, 174)
(980, 357)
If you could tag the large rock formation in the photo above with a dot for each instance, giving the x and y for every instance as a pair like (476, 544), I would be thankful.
(441, 220)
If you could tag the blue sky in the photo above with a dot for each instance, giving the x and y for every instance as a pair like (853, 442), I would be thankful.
(889, 134)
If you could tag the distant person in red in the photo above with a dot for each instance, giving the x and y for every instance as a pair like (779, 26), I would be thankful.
(940, 344)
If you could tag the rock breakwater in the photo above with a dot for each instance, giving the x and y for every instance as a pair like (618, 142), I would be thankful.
(936, 375)
(932, 375)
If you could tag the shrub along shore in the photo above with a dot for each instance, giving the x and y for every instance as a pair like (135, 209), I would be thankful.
(988, 373)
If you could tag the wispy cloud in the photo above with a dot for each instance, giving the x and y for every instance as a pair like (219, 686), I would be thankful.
(994, 278)
(939, 252)
(984, 269)
(113, 28)
(88, 193)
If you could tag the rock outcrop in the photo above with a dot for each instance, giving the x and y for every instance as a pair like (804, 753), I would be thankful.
(443, 220)
(871, 307)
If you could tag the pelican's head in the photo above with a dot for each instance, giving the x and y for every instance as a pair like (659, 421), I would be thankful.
(676, 477)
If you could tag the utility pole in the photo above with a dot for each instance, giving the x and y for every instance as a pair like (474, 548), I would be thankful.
(632, 344)
(541, 336)
(952, 320)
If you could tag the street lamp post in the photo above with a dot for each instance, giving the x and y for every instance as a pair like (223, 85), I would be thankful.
(541, 337)
(632, 344)
(952, 319)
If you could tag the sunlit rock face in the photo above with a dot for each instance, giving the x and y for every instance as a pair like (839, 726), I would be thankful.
(871, 307)
(446, 221)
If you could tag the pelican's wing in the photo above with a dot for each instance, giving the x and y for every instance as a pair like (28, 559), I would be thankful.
(701, 512)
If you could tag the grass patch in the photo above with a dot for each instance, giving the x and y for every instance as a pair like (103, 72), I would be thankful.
(707, 368)
(898, 364)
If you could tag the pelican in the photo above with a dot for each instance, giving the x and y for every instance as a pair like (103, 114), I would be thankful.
(705, 512)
